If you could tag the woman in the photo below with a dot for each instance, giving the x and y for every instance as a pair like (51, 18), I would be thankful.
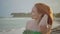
(42, 19)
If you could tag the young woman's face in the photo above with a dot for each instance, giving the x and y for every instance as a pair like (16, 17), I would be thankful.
(34, 13)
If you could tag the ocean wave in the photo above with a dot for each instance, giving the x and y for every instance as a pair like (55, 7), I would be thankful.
(13, 31)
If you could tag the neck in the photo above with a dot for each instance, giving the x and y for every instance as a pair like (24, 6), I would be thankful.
(38, 19)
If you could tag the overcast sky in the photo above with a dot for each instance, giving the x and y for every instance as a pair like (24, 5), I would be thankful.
(24, 6)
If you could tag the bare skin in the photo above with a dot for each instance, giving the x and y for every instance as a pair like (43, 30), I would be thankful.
(35, 15)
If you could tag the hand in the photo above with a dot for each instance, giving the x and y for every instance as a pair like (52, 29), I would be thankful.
(43, 29)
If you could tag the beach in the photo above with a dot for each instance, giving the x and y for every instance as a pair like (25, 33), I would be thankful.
(17, 26)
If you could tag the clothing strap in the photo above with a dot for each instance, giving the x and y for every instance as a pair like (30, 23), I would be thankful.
(31, 32)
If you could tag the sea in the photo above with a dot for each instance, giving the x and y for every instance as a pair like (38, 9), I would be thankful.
(17, 25)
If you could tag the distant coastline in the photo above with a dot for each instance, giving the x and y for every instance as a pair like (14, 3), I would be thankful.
(19, 15)
(57, 15)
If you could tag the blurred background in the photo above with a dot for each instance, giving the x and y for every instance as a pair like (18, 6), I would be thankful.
(14, 15)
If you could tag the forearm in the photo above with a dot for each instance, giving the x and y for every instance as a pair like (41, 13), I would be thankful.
(49, 29)
(45, 29)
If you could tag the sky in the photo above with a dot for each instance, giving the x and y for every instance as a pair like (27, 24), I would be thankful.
(24, 6)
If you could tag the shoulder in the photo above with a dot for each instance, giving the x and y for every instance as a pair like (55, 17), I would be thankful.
(30, 22)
